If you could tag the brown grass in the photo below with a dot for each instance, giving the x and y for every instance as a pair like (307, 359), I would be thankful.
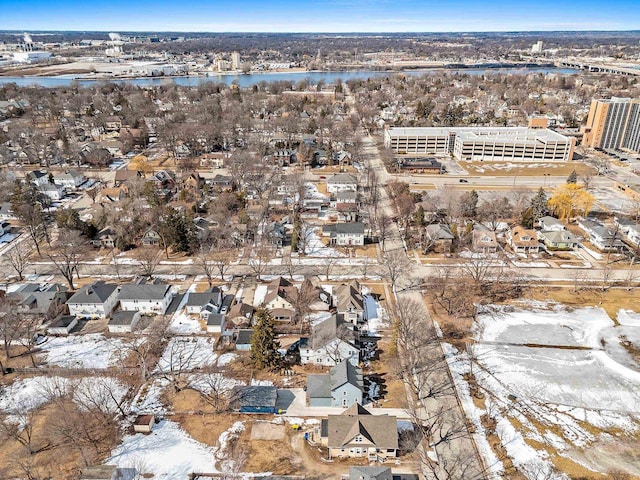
(560, 169)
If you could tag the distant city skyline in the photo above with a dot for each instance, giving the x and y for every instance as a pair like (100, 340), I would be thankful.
(332, 16)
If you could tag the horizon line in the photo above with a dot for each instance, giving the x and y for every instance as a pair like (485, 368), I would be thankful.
(328, 32)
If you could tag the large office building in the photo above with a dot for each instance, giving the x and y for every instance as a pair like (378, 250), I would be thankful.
(514, 144)
(613, 124)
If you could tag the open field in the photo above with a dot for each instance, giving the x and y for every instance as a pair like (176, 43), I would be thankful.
(508, 169)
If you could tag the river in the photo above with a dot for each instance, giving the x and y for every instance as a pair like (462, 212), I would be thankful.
(249, 80)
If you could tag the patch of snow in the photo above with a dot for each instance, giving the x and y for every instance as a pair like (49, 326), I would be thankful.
(226, 359)
(187, 353)
(167, 453)
(183, 323)
(84, 351)
(259, 294)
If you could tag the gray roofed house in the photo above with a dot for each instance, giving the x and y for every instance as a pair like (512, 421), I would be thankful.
(215, 322)
(349, 302)
(197, 301)
(558, 239)
(145, 297)
(96, 300)
(342, 387)
(332, 341)
(358, 433)
(254, 399)
(341, 181)
(243, 339)
(438, 238)
(38, 299)
(62, 325)
(378, 473)
(551, 224)
(345, 234)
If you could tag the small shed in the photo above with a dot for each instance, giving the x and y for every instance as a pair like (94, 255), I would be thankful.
(62, 325)
(243, 339)
(144, 423)
(123, 321)
(254, 399)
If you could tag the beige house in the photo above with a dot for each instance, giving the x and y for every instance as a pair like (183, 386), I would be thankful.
(356, 433)
(484, 241)
(522, 240)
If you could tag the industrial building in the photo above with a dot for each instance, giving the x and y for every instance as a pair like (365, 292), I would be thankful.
(515, 144)
(613, 124)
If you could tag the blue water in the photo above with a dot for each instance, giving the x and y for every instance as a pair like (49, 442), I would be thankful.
(255, 78)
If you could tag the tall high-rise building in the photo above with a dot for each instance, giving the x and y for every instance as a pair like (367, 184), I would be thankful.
(537, 47)
(235, 60)
(613, 124)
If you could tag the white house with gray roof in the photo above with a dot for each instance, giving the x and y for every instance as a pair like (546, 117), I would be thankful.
(146, 297)
(331, 341)
(345, 234)
(341, 182)
(342, 387)
(96, 300)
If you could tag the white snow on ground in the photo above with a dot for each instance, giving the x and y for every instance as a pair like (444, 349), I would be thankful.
(557, 326)
(185, 324)
(593, 253)
(148, 400)
(187, 353)
(29, 393)
(315, 248)
(226, 359)
(259, 294)
(318, 317)
(526, 376)
(209, 382)
(375, 315)
(530, 264)
(84, 351)
(168, 453)
(459, 366)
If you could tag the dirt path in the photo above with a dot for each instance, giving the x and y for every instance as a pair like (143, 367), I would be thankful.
(312, 463)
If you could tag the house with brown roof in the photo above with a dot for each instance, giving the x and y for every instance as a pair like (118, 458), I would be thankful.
(522, 240)
(356, 433)
(281, 294)
(484, 241)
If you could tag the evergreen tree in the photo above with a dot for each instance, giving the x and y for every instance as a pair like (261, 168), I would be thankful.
(573, 177)
(539, 205)
(264, 345)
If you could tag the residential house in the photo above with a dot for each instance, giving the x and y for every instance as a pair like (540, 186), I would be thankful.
(437, 238)
(38, 177)
(349, 302)
(106, 238)
(96, 300)
(254, 399)
(276, 233)
(197, 302)
(320, 158)
(356, 433)
(331, 341)
(284, 157)
(377, 473)
(53, 191)
(551, 224)
(522, 240)
(124, 175)
(112, 194)
(123, 321)
(70, 180)
(240, 316)
(280, 299)
(62, 325)
(45, 301)
(558, 240)
(193, 184)
(341, 182)
(623, 224)
(151, 238)
(484, 241)
(146, 297)
(112, 124)
(221, 183)
(5, 227)
(604, 238)
(342, 387)
(345, 234)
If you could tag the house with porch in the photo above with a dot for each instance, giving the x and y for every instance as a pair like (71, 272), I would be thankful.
(146, 297)
(331, 341)
(558, 239)
(356, 433)
(523, 240)
(349, 302)
(484, 241)
(342, 182)
(345, 234)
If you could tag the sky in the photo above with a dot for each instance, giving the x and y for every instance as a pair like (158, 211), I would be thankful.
(319, 15)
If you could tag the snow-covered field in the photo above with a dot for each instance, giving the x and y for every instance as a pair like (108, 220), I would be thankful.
(183, 323)
(315, 248)
(187, 353)
(84, 351)
(552, 375)
(168, 453)
(29, 393)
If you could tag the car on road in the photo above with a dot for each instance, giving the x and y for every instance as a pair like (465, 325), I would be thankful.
(463, 180)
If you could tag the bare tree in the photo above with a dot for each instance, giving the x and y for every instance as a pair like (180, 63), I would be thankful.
(19, 426)
(260, 258)
(396, 265)
(66, 254)
(18, 257)
(147, 346)
(149, 259)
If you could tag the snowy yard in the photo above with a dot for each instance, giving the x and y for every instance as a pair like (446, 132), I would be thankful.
(184, 323)
(84, 351)
(187, 353)
(552, 376)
